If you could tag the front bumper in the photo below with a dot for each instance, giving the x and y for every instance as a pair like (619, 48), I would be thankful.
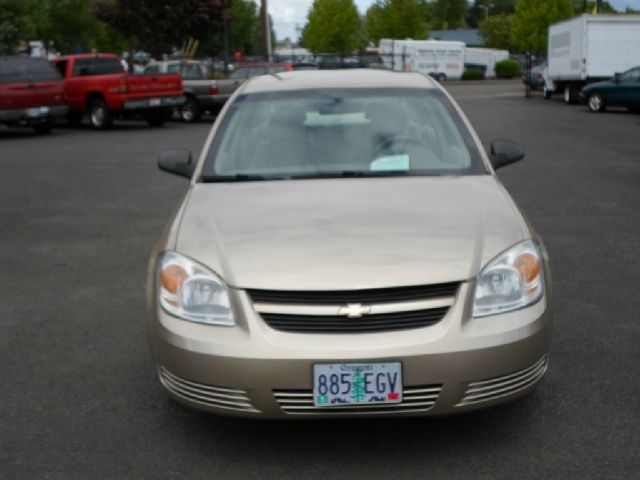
(251, 370)
(34, 115)
(154, 103)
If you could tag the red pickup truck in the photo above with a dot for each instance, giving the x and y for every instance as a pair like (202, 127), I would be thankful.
(31, 93)
(96, 84)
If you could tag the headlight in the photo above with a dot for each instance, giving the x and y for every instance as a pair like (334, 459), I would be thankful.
(192, 292)
(512, 280)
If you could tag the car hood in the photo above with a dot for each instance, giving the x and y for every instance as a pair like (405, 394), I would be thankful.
(348, 233)
(603, 84)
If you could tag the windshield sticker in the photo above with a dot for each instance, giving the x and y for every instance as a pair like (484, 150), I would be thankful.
(390, 163)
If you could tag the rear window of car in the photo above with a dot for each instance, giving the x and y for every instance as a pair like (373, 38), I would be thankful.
(188, 71)
(17, 70)
(366, 132)
(97, 66)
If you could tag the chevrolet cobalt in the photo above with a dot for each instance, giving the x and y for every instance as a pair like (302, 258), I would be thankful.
(345, 248)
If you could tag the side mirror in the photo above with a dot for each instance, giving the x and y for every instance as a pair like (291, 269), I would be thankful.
(177, 161)
(505, 152)
(616, 77)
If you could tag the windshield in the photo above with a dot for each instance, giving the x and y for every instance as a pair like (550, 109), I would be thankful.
(24, 69)
(346, 132)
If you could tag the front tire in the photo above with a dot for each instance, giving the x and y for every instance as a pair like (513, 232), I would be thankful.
(596, 102)
(546, 93)
(190, 111)
(570, 96)
(100, 116)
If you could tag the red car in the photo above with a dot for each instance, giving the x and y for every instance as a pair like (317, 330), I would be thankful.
(31, 93)
(97, 85)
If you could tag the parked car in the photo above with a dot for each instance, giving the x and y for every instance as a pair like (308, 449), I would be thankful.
(31, 93)
(623, 90)
(246, 71)
(537, 77)
(345, 248)
(98, 86)
(202, 95)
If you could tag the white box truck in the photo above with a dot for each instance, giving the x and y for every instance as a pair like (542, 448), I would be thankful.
(590, 48)
(440, 59)
(484, 59)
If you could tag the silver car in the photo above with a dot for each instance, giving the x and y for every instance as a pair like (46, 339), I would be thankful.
(345, 248)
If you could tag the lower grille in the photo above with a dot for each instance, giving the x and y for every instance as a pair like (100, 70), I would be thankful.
(339, 324)
(497, 387)
(208, 395)
(414, 399)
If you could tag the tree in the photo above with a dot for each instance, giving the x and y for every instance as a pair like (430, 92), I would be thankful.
(160, 26)
(496, 31)
(244, 28)
(15, 24)
(482, 9)
(333, 26)
(396, 19)
(449, 14)
(530, 25)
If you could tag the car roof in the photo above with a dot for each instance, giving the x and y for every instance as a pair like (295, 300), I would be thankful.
(82, 56)
(351, 78)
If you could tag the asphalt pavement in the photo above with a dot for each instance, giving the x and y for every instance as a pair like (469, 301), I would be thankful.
(80, 211)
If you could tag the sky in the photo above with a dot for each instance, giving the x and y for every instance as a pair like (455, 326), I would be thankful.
(287, 14)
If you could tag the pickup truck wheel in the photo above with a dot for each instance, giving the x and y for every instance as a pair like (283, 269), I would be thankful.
(190, 111)
(43, 128)
(596, 103)
(100, 116)
(157, 118)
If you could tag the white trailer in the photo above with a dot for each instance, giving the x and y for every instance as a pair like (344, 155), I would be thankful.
(484, 59)
(590, 48)
(440, 59)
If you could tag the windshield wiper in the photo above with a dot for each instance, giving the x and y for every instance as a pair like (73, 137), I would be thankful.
(240, 177)
(352, 174)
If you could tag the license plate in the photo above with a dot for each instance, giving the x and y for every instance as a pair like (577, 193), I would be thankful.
(155, 102)
(340, 384)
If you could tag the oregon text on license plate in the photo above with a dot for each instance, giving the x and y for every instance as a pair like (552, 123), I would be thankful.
(339, 384)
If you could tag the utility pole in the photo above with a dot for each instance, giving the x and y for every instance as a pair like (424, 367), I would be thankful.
(266, 34)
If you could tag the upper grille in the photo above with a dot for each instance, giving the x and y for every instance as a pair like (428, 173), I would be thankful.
(414, 399)
(219, 397)
(340, 324)
(339, 297)
(492, 388)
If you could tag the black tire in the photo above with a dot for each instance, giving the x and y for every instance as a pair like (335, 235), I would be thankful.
(596, 102)
(43, 128)
(157, 118)
(100, 116)
(190, 111)
(546, 93)
(74, 119)
(570, 95)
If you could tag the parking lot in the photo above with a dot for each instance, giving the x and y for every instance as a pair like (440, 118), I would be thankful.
(80, 211)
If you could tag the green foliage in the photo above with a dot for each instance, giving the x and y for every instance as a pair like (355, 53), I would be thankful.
(496, 31)
(482, 9)
(449, 14)
(15, 24)
(472, 74)
(582, 6)
(333, 26)
(396, 19)
(244, 27)
(531, 21)
(159, 27)
(507, 68)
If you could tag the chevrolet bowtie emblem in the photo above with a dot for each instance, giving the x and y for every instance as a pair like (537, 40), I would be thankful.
(354, 310)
